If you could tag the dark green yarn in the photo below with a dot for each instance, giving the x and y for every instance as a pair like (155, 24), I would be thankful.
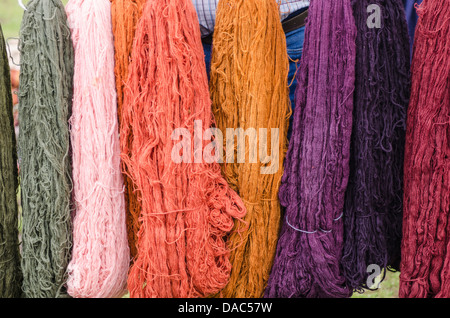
(10, 273)
(45, 97)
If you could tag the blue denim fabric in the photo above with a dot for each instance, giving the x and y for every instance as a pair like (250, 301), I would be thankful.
(206, 12)
(411, 18)
(294, 42)
(207, 48)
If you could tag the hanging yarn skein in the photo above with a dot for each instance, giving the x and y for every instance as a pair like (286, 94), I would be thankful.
(250, 95)
(373, 201)
(307, 262)
(425, 264)
(10, 270)
(45, 94)
(125, 16)
(100, 260)
(188, 209)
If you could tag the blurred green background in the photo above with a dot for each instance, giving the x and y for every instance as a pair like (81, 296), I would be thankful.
(10, 18)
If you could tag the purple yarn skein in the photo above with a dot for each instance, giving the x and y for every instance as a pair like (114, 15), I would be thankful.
(373, 203)
(307, 261)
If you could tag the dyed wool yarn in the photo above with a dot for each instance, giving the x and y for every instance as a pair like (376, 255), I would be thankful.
(307, 262)
(125, 16)
(45, 94)
(101, 256)
(425, 263)
(10, 270)
(373, 201)
(188, 209)
(249, 90)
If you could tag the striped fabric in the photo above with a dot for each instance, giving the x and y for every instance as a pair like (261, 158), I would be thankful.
(206, 11)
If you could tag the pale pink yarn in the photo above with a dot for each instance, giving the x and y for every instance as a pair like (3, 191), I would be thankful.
(100, 257)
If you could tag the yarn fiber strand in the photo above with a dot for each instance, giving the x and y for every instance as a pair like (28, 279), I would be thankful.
(249, 90)
(373, 201)
(125, 16)
(307, 262)
(425, 263)
(101, 257)
(188, 209)
(45, 94)
(10, 270)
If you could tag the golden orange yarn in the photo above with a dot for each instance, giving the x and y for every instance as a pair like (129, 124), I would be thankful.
(249, 89)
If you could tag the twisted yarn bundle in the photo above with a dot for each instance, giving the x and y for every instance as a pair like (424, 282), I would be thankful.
(249, 90)
(101, 256)
(45, 93)
(425, 263)
(307, 262)
(373, 201)
(188, 209)
(10, 270)
(125, 16)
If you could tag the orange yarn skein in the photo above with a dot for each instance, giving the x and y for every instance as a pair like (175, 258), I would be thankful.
(125, 16)
(188, 209)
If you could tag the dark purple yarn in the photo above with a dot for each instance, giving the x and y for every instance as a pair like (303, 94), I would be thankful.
(373, 202)
(307, 261)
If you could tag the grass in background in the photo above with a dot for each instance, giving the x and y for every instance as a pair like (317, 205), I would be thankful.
(10, 18)
(387, 289)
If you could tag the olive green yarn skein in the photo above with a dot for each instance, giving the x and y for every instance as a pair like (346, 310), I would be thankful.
(45, 95)
(10, 272)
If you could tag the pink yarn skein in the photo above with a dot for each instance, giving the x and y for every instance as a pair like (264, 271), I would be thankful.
(100, 256)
